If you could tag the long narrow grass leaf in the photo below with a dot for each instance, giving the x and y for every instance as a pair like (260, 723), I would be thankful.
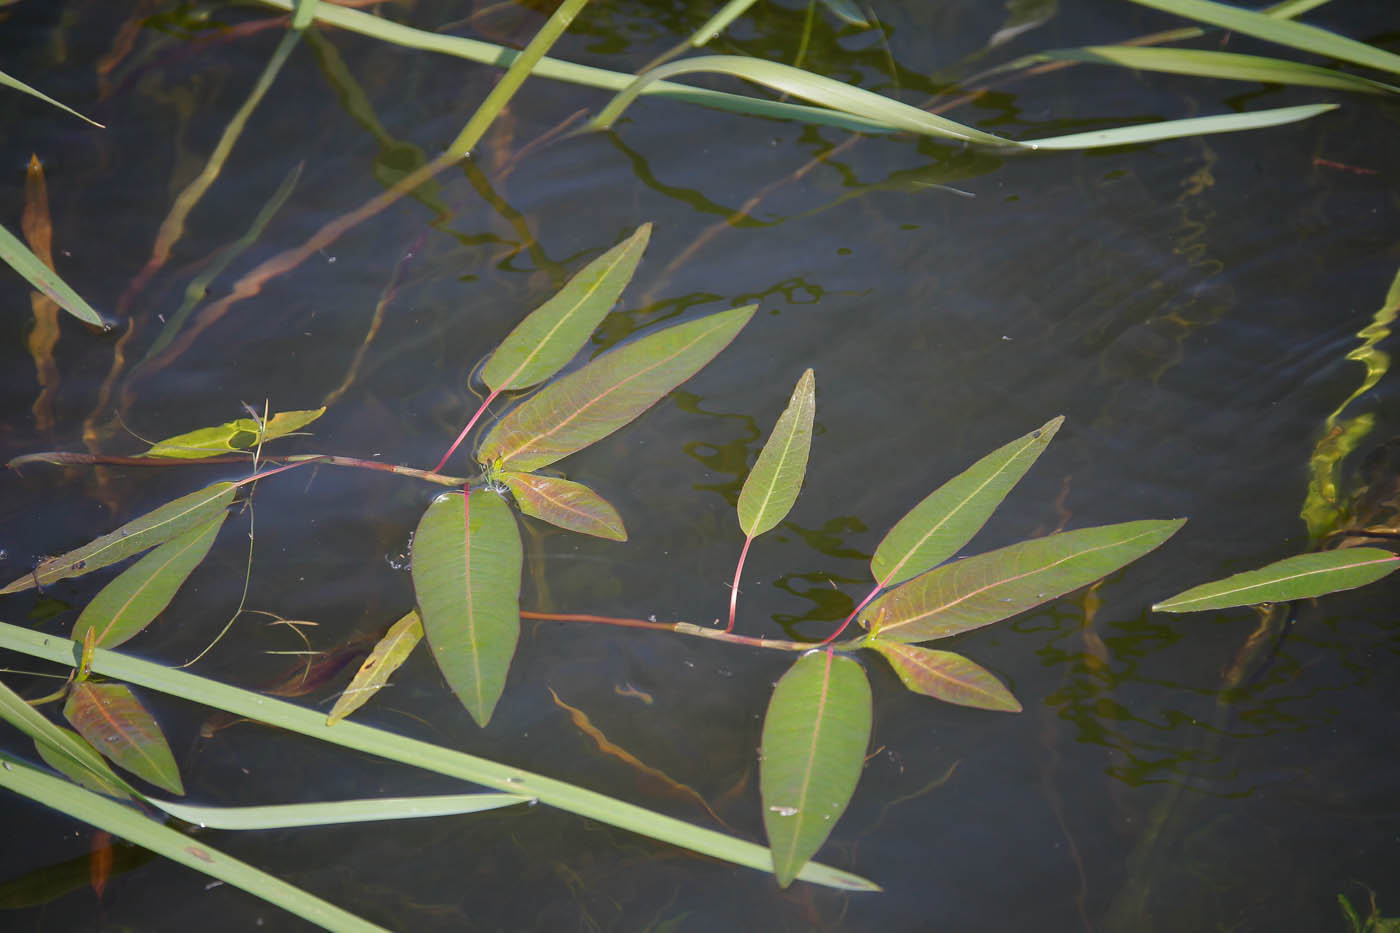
(1176, 129)
(288, 816)
(1301, 577)
(718, 23)
(1208, 63)
(46, 280)
(102, 780)
(62, 748)
(18, 85)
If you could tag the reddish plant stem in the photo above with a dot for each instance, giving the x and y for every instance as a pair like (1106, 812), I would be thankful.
(854, 612)
(470, 424)
(734, 589)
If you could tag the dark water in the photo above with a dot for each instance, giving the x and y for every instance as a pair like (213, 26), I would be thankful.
(1187, 305)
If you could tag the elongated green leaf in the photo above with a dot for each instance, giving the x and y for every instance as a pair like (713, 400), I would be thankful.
(286, 816)
(418, 754)
(389, 653)
(846, 11)
(589, 404)
(142, 591)
(155, 527)
(241, 434)
(46, 280)
(946, 676)
(716, 24)
(1300, 577)
(772, 485)
(111, 718)
(1176, 129)
(468, 589)
(568, 505)
(130, 824)
(938, 527)
(814, 738)
(61, 748)
(1282, 31)
(978, 591)
(554, 332)
(18, 85)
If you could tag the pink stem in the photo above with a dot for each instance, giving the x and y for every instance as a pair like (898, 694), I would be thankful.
(470, 424)
(734, 590)
(854, 612)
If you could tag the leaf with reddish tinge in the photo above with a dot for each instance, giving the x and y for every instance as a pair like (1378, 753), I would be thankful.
(93, 773)
(814, 738)
(1300, 577)
(468, 589)
(141, 592)
(946, 676)
(772, 485)
(37, 226)
(571, 506)
(389, 653)
(111, 718)
(978, 591)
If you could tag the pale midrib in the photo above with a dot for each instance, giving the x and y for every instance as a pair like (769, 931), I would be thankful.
(195, 541)
(789, 445)
(811, 757)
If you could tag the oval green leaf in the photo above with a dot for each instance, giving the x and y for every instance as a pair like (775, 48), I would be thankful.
(553, 333)
(468, 589)
(242, 434)
(946, 676)
(142, 591)
(389, 653)
(60, 747)
(568, 505)
(772, 485)
(155, 527)
(978, 591)
(587, 405)
(814, 738)
(938, 527)
(1301, 577)
(111, 718)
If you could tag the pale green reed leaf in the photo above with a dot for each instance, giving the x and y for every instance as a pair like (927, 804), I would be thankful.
(63, 749)
(46, 280)
(938, 527)
(946, 676)
(241, 434)
(565, 504)
(772, 485)
(468, 589)
(388, 655)
(1176, 129)
(1300, 577)
(155, 527)
(846, 11)
(1280, 30)
(590, 403)
(420, 754)
(814, 738)
(978, 591)
(305, 13)
(716, 24)
(287, 816)
(134, 826)
(553, 333)
(100, 779)
(141, 592)
(116, 724)
(18, 85)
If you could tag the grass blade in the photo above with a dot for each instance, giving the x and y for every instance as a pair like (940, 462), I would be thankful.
(111, 718)
(847, 12)
(18, 85)
(939, 526)
(589, 404)
(716, 24)
(553, 333)
(564, 504)
(63, 749)
(46, 280)
(288, 816)
(388, 655)
(814, 738)
(1303, 576)
(946, 676)
(772, 485)
(101, 779)
(1176, 129)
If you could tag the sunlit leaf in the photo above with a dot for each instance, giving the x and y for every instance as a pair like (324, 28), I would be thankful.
(978, 591)
(1299, 577)
(591, 403)
(61, 748)
(389, 653)
(285, 816)
(814, 738)
(720, 21)
(111, 718)
(141, 592)
(568, 505)
(938, 527)
(946, 676)
(553, 333)
(241, 434)
(96, 775)
(772, 485)
(46, 280)
(1023, 16)
(17, 84)
(155, 527)
(468, 588)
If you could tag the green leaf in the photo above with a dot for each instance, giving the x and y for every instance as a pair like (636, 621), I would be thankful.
(1176, 129)
(96, 776)
(946, 676)
(553, 333)
(589, 404)
(46, 280)
(938, 527)
(155, 527)
(846, 11)
(772, 485)
(1301, 577)
(814, 738)
(286, 816)
(241, 434)
(568, 505)
(389, 653)
(111, 718)
(141, 592)
(468, 588)
(18, 85)
(978, 591)
(60, 747)
(1282, 31)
